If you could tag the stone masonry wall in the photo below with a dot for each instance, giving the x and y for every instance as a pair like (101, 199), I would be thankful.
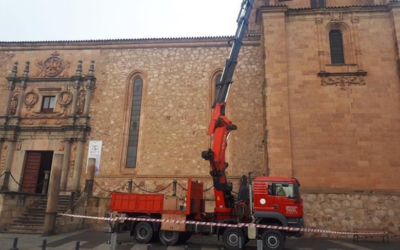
(175, 112)
(345, 137)
(346, 211)
(175, 107)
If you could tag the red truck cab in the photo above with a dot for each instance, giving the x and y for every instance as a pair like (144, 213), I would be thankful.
(277, 201)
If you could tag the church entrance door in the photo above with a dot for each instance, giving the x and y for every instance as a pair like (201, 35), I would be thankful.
(37, 162)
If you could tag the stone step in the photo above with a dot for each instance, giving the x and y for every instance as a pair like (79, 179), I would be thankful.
(28, 218)
(25, 229)
(45, 202)
(32, 219)
(29, 223)
(43, 209)
(25, 226)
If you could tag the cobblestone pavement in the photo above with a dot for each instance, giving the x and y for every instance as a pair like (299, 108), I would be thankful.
(95, 240)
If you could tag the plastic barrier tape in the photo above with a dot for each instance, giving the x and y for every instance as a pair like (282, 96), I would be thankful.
(292, 229)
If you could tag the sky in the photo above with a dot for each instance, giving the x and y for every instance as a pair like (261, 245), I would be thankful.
(44, 20)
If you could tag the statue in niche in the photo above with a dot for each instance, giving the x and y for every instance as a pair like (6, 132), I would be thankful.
(14, 103)
(81, 102)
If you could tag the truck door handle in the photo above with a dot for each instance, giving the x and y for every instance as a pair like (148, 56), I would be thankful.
(276, 206)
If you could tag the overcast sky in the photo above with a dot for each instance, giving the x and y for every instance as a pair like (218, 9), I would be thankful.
(40, 20)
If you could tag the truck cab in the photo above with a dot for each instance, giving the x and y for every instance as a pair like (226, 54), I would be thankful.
(277, 201)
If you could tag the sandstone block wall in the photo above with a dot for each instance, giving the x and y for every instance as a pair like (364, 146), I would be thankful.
(341, 137)
(175, 107)
(346, 211)
(175, 112)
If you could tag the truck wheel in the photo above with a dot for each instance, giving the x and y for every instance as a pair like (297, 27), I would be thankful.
(168, 238)
(273, 240)
(231, 238)
(184, 236)
(143, 232)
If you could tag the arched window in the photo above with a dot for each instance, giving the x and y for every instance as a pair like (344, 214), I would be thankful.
(336, 44)
(214, 90)
(134, 123)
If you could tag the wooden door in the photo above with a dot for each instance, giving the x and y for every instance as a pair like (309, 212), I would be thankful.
(31, 173)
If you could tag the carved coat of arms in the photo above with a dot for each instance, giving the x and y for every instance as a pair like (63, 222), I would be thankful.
(53, 66)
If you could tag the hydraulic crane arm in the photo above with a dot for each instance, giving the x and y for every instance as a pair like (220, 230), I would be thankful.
(220, 126)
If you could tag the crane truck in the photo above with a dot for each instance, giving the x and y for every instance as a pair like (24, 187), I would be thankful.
(261, 200)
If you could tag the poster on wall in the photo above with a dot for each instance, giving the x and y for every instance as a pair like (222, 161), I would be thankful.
(94, 152)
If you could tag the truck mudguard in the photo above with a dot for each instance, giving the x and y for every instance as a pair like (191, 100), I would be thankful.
(272, 215)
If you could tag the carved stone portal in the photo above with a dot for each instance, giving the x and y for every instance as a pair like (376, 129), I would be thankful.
(31, 98)
(342, 81)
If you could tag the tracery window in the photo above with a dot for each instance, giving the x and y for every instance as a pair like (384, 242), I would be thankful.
(134, 122)
(336, 47)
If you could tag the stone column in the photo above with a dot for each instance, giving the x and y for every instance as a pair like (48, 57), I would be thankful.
(76, 77)
(75, 97)
(277, 101)
(1, 151)
(355, 22)
(53, 194)
(89, 86)
(78, 166)
(11, 87)
(65, 165)
(90, 176)
(88, 96)
(8, 164)
(395, 15)
(321, 53)
(23, 87)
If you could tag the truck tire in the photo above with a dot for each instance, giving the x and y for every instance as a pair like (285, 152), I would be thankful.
(231, 238)
(143, 232)
(168, 238)
(273, 240)
(184, 236)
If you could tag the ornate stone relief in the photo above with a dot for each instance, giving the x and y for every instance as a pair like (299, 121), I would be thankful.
(65, 98)
(14, 103)
(3, 120)
(319, 20)
(43, 121)
(31, 98)
(53, 66)
(343, 81)
(47, 115)
(336, 17)
(355, 19)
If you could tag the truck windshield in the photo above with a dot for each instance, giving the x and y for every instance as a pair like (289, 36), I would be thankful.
(286, 189)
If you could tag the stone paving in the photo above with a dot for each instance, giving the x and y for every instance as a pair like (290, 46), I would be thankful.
(95, 240)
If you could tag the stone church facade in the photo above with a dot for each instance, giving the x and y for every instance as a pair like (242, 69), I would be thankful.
(315, 96)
